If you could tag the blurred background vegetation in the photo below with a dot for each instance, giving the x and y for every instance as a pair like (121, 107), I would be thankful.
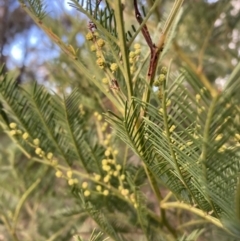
(207, 40)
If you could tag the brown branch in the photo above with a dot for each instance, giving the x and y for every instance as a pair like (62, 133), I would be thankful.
(154, 51)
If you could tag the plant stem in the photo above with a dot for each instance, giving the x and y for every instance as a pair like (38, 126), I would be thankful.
(123, 46)
(21, 202)
(205, 141)
(194, 210)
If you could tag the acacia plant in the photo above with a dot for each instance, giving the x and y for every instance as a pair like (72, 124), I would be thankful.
(148, 149)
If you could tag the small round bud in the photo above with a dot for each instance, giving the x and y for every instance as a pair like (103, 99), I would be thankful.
(118, 167)
(131, 60)
(71, 182)
(38, 151)
(124, 192)
(104, 162)
(99, 54)
(97, 177)
(100, 61)
(100, 42)
(25, 135)
(84, 185)
(107, 153)
(198, 97)
(36, 142)
(168, 103)
(99, 117)
(161, 78)
(13, 132)
(49, 155)
(131, 54)
(89, 36)
(122, 177)
(93, 48)
(58, 173)
(86, 193)
(106, 178)
(19, 132)
(13, 125)
(164, 70)
(172, 128)
(132, 69)
(115, 152)
(114, 67)
(105, 81)
(137, 46)
(115, 173)
(105, 192)
(156, 83)
(99, 188)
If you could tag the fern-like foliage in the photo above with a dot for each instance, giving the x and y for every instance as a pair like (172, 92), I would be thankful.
(56, 122)
(190, 143)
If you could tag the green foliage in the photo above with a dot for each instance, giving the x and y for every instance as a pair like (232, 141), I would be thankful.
(175, 145)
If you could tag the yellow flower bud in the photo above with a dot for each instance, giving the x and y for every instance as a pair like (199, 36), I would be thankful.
(25, 135)
(93, 48)
(100, 62)
(106, 178)
(71, 182)
(58, 173)
(105, 192)
(49, 155)
(124, 192)
(105, 81)
(131, 54)
(100, 42)
(107, 153)
(164, 70)
(115, 173)
(38, 151)
(86, 193)
(137, 46)
(13, 132)
(118, 167)
(114, 67)
(168, 103)
(99, 188)
(84, 185)
(198, 97)
(13, 125)
(122, 177)
(89, 36)
(97, 177)
(99, 117)
(36, 141)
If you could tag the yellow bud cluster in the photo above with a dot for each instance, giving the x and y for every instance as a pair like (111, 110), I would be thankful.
(105, 81)
(159, 81)
(13, 125)
(100, 62)
(93, 48)
(134, 56)
(100, 43)
(89, 36)
(114, 67)
(36, 142)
